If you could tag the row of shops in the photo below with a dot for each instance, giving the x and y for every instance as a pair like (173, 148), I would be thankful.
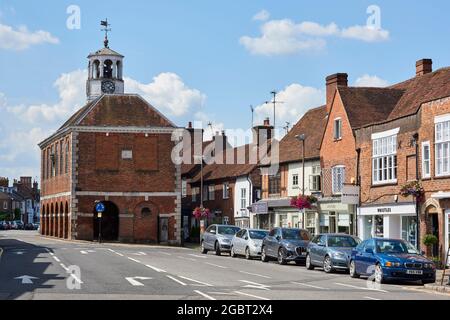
(331, 216)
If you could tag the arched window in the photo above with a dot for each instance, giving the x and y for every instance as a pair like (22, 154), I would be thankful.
(66, 170)
(61, 157)
(96, 69)
(146, 212)
(107, 69)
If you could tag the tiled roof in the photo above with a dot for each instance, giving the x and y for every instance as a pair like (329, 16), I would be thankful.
(368, 105)
(105, 52)
(312, 124)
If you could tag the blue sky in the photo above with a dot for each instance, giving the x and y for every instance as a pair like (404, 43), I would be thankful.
(197, 47)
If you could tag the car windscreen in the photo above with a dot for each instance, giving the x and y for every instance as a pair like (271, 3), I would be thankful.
(342, 242)
(258, 234)
(228, 230)
(394, 246)
(295, 234)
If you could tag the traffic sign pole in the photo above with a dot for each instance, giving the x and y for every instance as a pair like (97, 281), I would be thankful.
(100, 208)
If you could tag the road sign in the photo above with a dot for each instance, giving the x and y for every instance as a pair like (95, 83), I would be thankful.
(100, 207)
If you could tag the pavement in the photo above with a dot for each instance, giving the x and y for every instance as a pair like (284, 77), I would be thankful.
(38, 268)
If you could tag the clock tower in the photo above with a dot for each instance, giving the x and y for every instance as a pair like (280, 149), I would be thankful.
(104, 71)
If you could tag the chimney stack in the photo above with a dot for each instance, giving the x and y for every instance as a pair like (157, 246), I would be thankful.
(262, 133)
(267, 122)
(333, 82)
(424, 66)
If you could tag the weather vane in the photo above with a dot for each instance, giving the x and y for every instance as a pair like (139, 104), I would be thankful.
(105, 24)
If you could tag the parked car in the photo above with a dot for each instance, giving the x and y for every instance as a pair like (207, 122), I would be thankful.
(37, 226)
(330, 251)
(391, 259)
(29, 226)
(17, 225)
(285, 245)
(6, 225)
(2, 225)
(248, 242)
(218, 238)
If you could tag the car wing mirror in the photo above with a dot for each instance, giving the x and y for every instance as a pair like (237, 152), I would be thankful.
(278, 238)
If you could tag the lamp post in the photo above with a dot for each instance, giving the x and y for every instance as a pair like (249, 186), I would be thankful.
(302, 138)
(202, 227)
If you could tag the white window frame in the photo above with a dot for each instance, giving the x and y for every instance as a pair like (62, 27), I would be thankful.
(5, 205)
(194, 194)
(442, 146)
(295, 179)
(226, 192)
(333, 185)
(243, 198)
(426, 163)
(384, 157)
(337, 129)
(211, 192)
(183, 188)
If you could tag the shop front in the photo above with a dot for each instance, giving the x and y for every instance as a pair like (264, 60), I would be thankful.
(336, 217)
(398, 221)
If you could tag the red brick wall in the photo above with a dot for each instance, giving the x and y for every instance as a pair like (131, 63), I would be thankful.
(337, 152)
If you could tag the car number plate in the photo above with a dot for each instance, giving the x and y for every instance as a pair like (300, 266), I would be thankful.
(414, 272)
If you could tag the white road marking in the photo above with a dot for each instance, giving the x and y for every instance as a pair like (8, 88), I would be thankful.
(310, 286)
(221, 293)
(167, 254)
(250, 295)
(155, 268)
(370, 298)
(112, 250)
(119, 254)
(204, 295)
(139, 253)
(134, 281)
(64, 267)
(51, 253)
(360, 288)
(216, 265)
(56, 258)
(255, 285)
(135, 260)
(26, 279)
(76, 278)
(255, 274)
(196, 281)
(176, 280)
(184, 258)
(87, 251)
(197, 256)
(83, 252)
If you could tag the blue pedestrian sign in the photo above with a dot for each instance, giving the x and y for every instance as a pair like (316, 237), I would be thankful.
(100, 207)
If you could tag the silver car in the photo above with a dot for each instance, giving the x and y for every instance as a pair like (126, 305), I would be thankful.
(218, 238)
(247, 242)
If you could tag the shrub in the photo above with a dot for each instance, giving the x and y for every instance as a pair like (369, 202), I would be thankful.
(430, 240)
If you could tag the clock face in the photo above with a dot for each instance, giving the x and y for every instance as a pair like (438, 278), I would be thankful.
(108, 87)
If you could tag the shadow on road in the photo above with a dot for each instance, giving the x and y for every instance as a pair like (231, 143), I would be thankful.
(22, 259)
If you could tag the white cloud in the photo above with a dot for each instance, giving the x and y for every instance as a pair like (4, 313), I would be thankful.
(21, 38)
(370, 81)
(168, 93)
(284, 36)
(262, 15)
(297, 100)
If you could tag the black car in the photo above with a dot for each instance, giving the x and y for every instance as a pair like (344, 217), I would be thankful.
(285, 245)
(29, 226)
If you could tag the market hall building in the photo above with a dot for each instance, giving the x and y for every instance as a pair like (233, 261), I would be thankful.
(117, 150)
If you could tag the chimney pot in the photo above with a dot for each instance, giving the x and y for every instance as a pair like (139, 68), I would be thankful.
(190, 125)
(267, 122)
(424, 66)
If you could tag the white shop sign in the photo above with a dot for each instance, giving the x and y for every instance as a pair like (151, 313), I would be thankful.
(404, 209)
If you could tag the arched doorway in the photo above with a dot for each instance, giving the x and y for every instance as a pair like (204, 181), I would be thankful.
(433, 227)
(60, 220)
(110, 222)
(66, 221)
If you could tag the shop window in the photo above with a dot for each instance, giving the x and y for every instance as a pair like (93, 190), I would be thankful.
(384, 162)
(426, 166)
(409, 229)
(442, 137)
(378, 226)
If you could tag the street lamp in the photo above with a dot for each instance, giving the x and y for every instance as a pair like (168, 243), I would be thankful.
(302, 138)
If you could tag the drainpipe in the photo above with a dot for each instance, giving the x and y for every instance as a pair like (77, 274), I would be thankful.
(250, 197)
(358, 183)
(416, 142)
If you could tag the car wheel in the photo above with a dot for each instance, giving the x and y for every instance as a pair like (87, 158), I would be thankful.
(352, 270)
(281, 259)
(264, 257)
(379, 278)
(204, 251)
(217, 249)
(327, 265)
(247, 254)
(232, 253)
(309, 264)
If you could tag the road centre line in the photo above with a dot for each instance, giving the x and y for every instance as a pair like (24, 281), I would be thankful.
(370, 298)
(155, 268)
(255, 274)
(204, 295)
(360, 288)
(176, 280)
(56, 259)
(184, 258)
(310, 286)
(197, 256)
(64, 267)
(196, 281)
(135, 260)
(216, 265)
(250, 295)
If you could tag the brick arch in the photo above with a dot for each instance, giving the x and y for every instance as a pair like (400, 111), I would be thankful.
(428, 204)
(431, 218)
(47, 221)
(60, 220)
(145, 222)
(66, 221)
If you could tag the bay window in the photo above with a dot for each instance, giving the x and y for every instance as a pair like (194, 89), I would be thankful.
(243, 198)
(384, 160)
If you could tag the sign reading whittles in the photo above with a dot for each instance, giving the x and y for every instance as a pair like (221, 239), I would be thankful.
(400, 209)
(260, 208)
(350, 195)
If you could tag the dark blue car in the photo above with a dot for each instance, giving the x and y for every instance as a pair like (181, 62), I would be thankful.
(391, 259)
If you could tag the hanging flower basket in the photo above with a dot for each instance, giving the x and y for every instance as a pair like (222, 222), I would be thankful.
(201, 213)
(414, 189)
(303, 202)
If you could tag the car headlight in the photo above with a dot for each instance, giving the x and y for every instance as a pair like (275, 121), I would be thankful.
(339, 255)
(429, 266)
(225, 240)
(391, 264)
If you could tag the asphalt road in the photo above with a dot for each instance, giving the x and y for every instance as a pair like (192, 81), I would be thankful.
(34, 267)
